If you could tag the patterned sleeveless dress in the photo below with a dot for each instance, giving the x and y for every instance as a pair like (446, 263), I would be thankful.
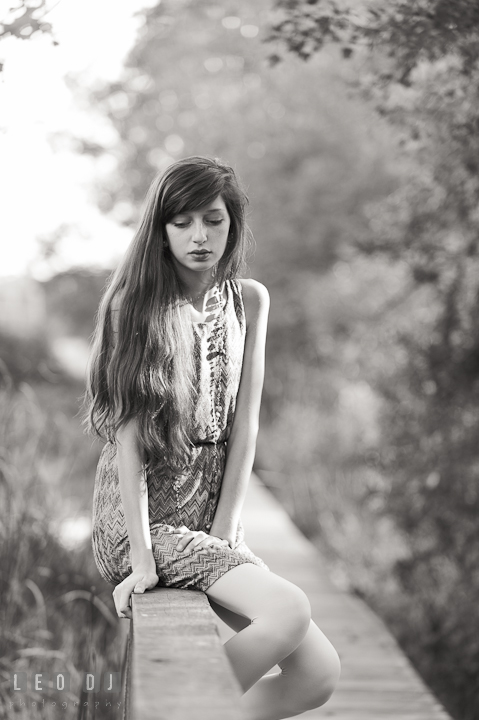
(190, 499)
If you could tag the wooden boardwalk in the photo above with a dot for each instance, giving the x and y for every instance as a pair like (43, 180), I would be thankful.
(377, 680)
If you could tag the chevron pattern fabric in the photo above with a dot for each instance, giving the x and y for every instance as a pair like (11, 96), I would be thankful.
(190, 499)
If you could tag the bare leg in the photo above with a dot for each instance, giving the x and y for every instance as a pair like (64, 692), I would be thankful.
(279, 612)
(272, 618)
(233, 620)
(307, 680)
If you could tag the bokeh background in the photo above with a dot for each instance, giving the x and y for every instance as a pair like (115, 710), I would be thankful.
(354, 128)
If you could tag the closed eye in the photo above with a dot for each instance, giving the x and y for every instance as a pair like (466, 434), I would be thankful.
(185, 224)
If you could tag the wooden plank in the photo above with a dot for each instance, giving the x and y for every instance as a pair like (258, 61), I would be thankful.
(179, 668)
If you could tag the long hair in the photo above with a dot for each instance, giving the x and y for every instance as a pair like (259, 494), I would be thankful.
(148, 373)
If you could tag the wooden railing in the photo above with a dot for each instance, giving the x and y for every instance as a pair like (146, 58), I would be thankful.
(175, 666)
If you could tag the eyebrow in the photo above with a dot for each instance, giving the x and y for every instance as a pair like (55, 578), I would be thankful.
(208, 210)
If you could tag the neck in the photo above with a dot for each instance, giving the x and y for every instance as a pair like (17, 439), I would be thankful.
(195, 284)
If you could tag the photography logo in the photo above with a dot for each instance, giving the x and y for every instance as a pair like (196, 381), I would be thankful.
(51, 683)
(92, 682)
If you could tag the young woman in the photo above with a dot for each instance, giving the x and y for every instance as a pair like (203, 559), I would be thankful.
(174, 385)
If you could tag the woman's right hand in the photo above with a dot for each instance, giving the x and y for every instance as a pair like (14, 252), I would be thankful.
(142, 578)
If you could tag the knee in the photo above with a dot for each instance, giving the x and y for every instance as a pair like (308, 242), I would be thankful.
(295, 610)
(326, 679)
(329, 677)
(291, 612)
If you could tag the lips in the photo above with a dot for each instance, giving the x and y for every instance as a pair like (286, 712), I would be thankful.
(200, 252)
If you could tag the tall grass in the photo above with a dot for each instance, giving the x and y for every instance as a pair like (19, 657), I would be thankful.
(57, 614)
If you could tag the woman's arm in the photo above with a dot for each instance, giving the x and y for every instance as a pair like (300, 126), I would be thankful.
(244, 431)
(132, 483)
(134, 496)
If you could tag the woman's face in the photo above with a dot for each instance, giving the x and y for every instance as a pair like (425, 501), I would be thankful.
(197, 239)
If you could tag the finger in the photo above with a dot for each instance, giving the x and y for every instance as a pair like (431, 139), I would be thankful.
(125, 612)
(203, 545)
(179, 530)
(117, 600)
(123, 599)
(212, 542)
(191, 545)
(218, 541)
(184, 542)
(184, 546)
(221, 543)
(198, 536)
(123, 606)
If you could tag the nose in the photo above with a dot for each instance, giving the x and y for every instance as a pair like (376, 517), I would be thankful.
(199, 232)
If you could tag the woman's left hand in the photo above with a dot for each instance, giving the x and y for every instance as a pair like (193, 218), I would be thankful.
(200, 539)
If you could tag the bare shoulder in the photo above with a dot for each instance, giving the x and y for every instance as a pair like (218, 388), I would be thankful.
(255, 298)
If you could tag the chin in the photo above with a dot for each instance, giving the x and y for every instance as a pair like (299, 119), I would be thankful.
(200, 264)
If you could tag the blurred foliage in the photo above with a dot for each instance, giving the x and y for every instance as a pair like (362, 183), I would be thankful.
(72, 299)
(26, 359)
(423, 74)
(407, 32)
(24, 19)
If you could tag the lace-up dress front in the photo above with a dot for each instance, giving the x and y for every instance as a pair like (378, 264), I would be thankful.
(190, 499)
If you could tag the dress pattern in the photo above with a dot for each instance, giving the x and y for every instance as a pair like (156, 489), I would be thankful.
(190, 499)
